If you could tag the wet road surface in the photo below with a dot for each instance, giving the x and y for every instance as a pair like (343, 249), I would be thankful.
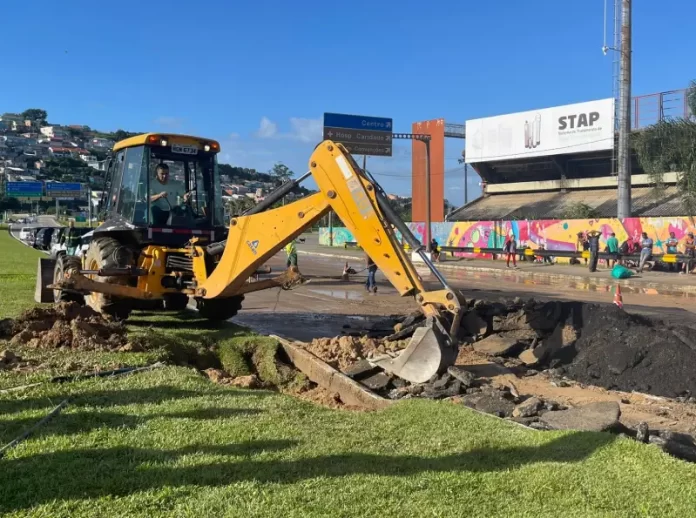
(326, 305)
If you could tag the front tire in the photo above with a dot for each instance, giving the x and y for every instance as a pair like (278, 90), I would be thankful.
(101, 254)
(219, 309)
(65, 264)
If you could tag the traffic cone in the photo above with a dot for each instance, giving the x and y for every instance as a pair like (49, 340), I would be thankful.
(618, 299)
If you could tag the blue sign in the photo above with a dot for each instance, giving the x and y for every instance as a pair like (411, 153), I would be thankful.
(24, 189)
(63, 190)
(357, 122)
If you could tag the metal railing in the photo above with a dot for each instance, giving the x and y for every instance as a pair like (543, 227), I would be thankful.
(585, 254)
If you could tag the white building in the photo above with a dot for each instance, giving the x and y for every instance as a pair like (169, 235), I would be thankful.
(54, 132)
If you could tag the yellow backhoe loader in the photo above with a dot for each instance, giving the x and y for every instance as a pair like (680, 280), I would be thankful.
(163, 241)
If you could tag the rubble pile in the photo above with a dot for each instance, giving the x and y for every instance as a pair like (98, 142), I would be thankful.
(67, 325)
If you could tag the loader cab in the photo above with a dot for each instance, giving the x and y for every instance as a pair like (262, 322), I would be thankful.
(163, 189)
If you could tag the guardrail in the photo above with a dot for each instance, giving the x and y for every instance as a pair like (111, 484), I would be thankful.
(585, 254)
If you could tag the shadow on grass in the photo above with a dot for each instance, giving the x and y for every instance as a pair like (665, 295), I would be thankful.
(117, 397)
(83, 422)
(97, 473)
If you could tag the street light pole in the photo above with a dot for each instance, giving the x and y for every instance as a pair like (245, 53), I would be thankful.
(428, 234)
(624, 156)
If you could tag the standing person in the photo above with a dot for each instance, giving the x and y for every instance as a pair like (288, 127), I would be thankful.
(435, 249)
(646, 246)
(613, 249)
(510, 249)
(689, 252)
(671, 244)
(593, 243)
(71, 238)
(291, 251)
(371, 284)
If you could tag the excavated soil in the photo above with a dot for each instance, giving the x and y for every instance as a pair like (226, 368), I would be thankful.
(67, 325)
(343, 351)
(619, 351)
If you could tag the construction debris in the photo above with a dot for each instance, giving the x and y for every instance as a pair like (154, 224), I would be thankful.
(67, 325)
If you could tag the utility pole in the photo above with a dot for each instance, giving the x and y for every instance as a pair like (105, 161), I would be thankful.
(428, 232)
(624, 157)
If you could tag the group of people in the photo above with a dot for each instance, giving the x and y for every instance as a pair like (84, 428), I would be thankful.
(643, 247)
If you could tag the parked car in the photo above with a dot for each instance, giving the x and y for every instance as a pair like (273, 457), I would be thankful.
(25, 233)
(32, 236)
(58, 249)
(43, 238)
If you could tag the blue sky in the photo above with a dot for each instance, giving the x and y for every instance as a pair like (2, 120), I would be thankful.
(258, 76)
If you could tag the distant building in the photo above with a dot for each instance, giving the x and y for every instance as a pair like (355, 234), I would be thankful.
(54, 132)
(100, 143)
(238, 189)
(61, 152)
(19, 141)
(11, 117)
(96, 164)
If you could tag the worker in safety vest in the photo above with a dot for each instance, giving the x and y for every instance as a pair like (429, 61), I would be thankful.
(291, 251)
(71, 239)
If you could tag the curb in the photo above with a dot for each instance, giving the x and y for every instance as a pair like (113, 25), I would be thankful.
(557, 277)
(351, 392)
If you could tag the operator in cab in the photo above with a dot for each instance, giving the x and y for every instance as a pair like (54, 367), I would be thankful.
(168, 194)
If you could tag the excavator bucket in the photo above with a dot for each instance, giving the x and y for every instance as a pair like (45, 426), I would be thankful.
(427, 354)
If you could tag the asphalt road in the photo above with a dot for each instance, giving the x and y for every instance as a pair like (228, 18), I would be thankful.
(325, 305)
(41, 221)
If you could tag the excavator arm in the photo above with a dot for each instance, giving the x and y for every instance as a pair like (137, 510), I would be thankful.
(361, 205)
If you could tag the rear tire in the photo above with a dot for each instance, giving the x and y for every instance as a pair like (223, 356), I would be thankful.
(101, 254)
(64, 264)
(219, 309)
(175, 301)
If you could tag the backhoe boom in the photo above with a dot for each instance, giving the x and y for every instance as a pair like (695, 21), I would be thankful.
(360, 204)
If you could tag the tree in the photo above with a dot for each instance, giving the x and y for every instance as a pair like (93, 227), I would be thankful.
(120, 135)
(281, 172)
(579, 210)
(670, 146)
(9, 203)
(35, 114)
(76, 133)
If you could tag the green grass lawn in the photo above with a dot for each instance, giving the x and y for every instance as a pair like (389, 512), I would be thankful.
(169, 443)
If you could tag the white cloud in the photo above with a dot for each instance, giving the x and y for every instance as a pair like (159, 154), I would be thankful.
(233, 136)
(306, 130)
(169, 122)
(267, 128)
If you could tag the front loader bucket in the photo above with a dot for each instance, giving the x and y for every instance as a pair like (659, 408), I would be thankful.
(44, 278)
(426, 355)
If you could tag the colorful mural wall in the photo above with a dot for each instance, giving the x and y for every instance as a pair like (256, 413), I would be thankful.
(553, 234)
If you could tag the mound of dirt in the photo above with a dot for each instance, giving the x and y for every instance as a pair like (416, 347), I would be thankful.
(342, 352)
(616, 350)
(67, 325)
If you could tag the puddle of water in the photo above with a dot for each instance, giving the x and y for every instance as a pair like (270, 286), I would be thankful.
(301, 326)
(601, 287)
